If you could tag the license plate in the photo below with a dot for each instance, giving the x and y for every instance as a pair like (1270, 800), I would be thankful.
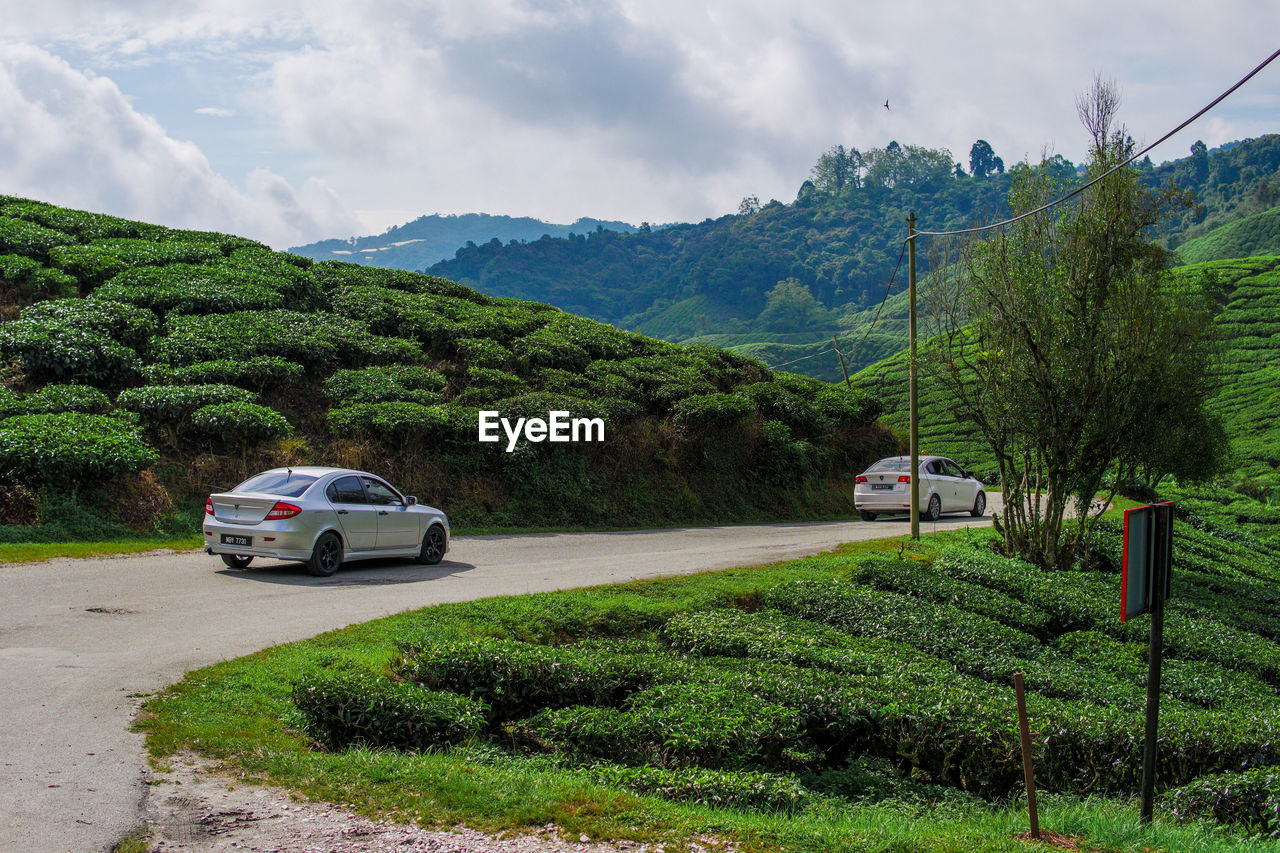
(882, 487)
(236, 540)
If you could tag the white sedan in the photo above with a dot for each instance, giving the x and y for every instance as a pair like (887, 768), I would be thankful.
(885, 489)
(322, 517)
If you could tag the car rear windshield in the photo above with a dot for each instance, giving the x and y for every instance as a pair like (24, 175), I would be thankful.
(281, 483)
(891, 465)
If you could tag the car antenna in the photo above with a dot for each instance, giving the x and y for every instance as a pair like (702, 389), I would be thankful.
(290, 474)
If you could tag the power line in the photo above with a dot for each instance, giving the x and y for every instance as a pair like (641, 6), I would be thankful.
(874, 320)
(1114, 168)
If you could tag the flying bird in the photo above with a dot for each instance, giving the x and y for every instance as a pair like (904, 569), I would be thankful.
(886, 105)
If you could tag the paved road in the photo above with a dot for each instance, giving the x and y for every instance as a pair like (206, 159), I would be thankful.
(79, 638)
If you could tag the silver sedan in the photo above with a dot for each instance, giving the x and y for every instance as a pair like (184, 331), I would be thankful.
(885, 488)
(322, 517)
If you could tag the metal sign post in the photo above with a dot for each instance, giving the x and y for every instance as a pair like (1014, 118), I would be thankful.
(1144, 588)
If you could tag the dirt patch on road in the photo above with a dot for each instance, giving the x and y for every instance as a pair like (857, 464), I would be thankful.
(193, 807)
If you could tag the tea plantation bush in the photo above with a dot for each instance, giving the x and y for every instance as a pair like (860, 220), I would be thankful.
(20, 237)
(32, 280)
(345, 711)
(740, 789)
(93, 264)
(71, 447)
(53, 399)
(1250, 799)
(240, 423)
(401, 421)
(389, 384)
(254, 374)
(314, 340)
(168, 404)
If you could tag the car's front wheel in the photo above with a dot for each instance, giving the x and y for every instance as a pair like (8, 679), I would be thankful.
(236, 561)
(979, 505)
(326, 557)
(867, 516)
(433, 545)
(934, 512)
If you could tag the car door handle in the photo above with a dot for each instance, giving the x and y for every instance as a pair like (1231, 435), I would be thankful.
(342, 512)
(383, 512)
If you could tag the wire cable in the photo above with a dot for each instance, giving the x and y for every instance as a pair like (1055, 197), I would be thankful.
(1114, 168)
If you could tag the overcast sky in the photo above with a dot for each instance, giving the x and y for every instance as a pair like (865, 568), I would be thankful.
(293, 122)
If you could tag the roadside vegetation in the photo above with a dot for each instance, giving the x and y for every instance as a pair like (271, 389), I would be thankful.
(862, 702)
(143, 367)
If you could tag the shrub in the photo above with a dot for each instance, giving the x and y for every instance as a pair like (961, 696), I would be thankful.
(735, 789)
(482, 352)
(240, 423)
(100, 260)
(406, 421)
(486, 386)
(710, 410)
(392, 383)
(256, 374)
(313, 340)
(171, 404)
(678, 725)
(128, 324)
(70, 447)
(52, 399)
(517, 679)
(846, 408)
(20, 237)
(1250, 799)
(776, 403)
(33, 280)
(362, 709)
(64, 352)
(10, 403)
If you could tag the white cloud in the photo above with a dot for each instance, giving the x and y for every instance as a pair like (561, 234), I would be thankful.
(641, 109)
(74, 140)
(216, 112)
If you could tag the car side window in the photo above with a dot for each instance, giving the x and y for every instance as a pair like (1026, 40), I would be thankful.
(955, 470)
(345, 490)
(935, 468)
(380, 494)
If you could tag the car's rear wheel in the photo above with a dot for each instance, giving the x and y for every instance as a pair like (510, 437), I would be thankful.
(934, 512)
(326, 557)
(433, 546)
(979, 505)
(867, 516)
(236, 561)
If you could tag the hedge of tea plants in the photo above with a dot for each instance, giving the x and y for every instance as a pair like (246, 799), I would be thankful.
(209, 348)
(864, 677)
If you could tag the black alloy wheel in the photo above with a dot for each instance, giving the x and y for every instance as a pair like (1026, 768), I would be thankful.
(934, 512)
(326, 558)
(867, 516)
(433, 545)
(236, 561)
(979, 505)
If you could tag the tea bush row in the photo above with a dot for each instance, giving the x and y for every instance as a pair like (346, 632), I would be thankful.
(737, 789)
(255, 374)
(377, 712)
(316, 341)
(1248, 799)
(91, 265)
(172, 404)
(67, 448)
(32, 280)
(384, 384)
(240, 423)
(400, 421)
(54, 399)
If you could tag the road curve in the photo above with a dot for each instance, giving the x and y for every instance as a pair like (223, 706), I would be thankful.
(80, 639)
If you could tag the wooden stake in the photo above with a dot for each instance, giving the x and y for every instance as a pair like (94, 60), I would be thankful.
(1028, 771)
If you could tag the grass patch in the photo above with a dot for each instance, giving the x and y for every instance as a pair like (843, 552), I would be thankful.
(34, 552)
(242, 712)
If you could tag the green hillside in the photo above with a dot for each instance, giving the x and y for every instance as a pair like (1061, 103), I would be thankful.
(1252, 235)
(142, 367)
(840, 240)
(1248, 398)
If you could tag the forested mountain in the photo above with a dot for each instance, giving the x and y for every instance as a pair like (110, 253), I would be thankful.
(428, 239)
(777, 280)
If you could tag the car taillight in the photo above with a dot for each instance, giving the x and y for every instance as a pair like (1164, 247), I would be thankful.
(859, 479)
(283, 510)
(208, 506)
(905, 478)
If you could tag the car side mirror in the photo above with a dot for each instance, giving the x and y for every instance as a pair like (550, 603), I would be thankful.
(411, 500)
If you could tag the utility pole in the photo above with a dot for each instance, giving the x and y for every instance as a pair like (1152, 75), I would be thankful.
(836, 342)
(911, 369)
